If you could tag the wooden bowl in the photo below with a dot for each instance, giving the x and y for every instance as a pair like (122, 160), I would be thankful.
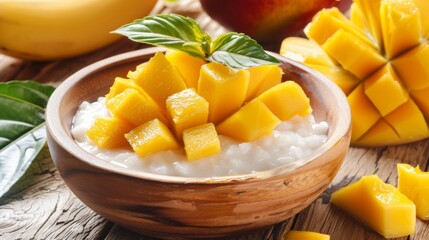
(181, 207)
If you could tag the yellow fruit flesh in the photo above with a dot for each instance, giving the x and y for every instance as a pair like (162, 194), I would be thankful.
(306, 235)
(239, 127)
(151, 137)
(395, 89)
(286, 100)
(414, 184)
(307, 52)
(262, 77)
(380, 206)
(109, 132)
(187, 65)
(224, 89)
(201, 141)
(186, 109)
(119, 85)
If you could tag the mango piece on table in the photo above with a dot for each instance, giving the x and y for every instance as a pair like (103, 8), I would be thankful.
(378, 205)
(305, 51)
(306, 235)
(261, 78)
(359, 58)
(251, 122)
(151, 137)
(380, 134)
(414, 184)
(201, 141)
(159, 78)
(189, 66)
(364, 114)
(286, 100)
(400, 25)
(223, 88)
(412, 67)
(119, 85)
(186, 109)
(135, 107)
(109, 132)
(343, 78)
(385, 90)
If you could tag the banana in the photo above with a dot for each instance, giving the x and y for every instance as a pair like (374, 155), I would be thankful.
(56, 29)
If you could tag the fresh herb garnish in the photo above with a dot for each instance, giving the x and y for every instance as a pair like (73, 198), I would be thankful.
(177, 32)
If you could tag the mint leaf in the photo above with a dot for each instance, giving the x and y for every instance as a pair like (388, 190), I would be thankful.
(239, 51)
(168, 30)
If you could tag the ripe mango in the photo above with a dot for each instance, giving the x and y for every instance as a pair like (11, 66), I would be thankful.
(307, 235)
(109, 132)
(201, 141)
(379, 59)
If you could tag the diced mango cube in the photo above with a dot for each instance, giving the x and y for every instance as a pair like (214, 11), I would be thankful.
(371, 14)
(271, 79)
(251, 122)
(363, 61)
(159, 78)
(423, 4)
(286, 100)
(380, 134)
(260, 75)
(225, 89)
(135, 107)
(306, 235)
(380, 206)
(119, 85)
(385, 90)
(109, 132)
(414, 184)
(305, 51)
(343, 78)
(357, 17)
(201, 141)
(151, 137)
(421, 99)
(186, 109)
(189, 66)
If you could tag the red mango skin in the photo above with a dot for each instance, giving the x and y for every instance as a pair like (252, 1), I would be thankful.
(268, 21)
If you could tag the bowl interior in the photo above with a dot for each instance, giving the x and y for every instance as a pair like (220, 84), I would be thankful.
(327, 100)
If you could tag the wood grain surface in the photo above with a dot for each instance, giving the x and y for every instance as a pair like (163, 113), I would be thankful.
(41, 206)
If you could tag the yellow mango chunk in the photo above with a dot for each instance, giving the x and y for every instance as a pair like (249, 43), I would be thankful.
(119, 85)
(423, 5)
(306, 235)
(357, 18)
(224, 89)
(380, 206)
(421, 99)
(261, 77)
(201, 141)
(328, 21)
(305, 51)
(412, 67)
(134, 74)
(135, 107)
(109, 132)
(364, 114)
(359, 58)
(412, 126)
(186, 109)
(371, 13)
(159, 78)
(385, 90)
(379, 134)
(343, 78)
(251, 122)
(414, 184)
(151, 137)
(286, 100)
(189, 66)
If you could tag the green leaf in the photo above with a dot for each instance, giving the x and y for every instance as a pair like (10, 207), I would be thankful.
(22, 128)
(239, 52)
(167, 30)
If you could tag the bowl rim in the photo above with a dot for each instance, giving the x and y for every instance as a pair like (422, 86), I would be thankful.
(56, 130)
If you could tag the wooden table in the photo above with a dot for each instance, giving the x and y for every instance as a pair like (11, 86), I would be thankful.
(40, 206)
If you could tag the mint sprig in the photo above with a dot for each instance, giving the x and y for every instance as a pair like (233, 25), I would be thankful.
(181, 33)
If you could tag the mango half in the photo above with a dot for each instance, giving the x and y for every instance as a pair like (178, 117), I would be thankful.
(378, 57)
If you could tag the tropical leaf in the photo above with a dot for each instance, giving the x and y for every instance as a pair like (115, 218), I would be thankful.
(22, 128)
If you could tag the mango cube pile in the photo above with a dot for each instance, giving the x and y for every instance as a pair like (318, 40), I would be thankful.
(176, 101)
(379, 58)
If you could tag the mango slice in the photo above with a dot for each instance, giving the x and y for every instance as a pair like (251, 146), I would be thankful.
(159, 78)
(224, 89)
(371, 14)
(286, 100)
(135, 107)
(414, 184)
(187, 65)
(186, 109)
(239, 127)
(307, 235)
(119, 85)
(343, 78)
(261, 78)
(271, 79)
(380, 132)
(305, 51)
(109, 132)
(201, 141)
(380, 206)
(151, 137)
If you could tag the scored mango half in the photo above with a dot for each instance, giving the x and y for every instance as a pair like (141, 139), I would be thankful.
(378, 57)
